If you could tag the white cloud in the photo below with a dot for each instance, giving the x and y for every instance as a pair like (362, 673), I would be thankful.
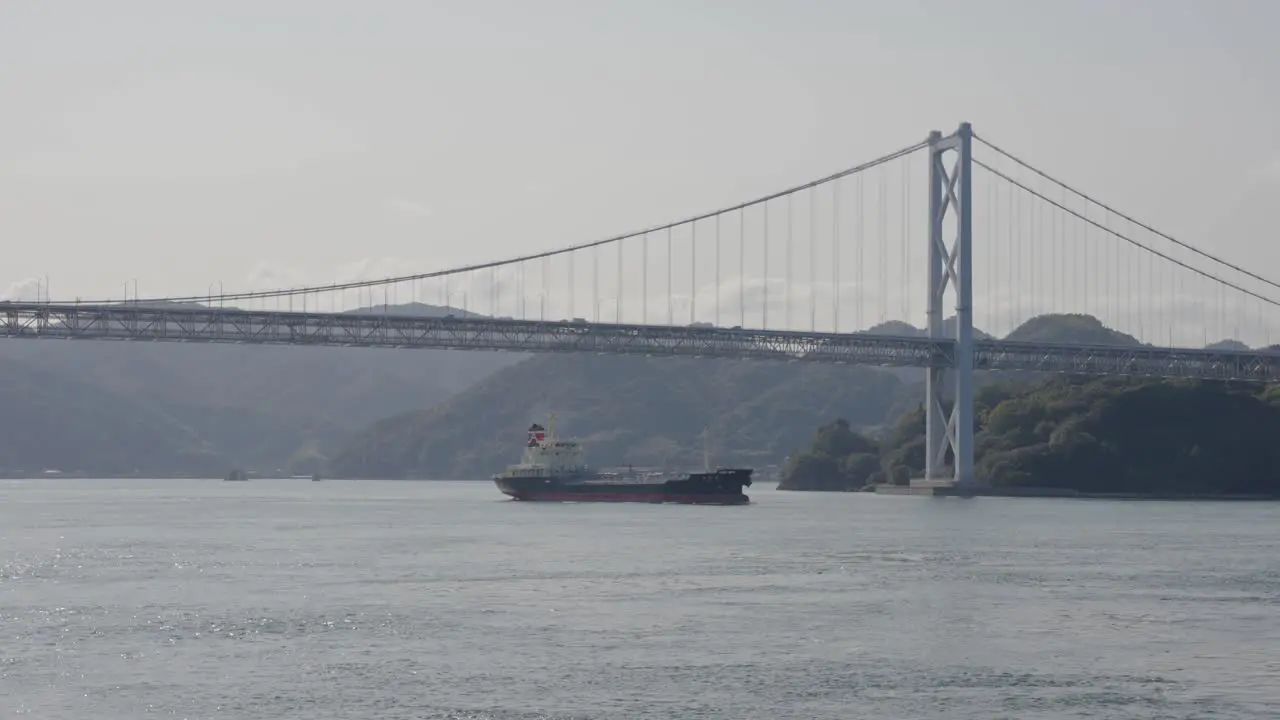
(537, 190)
(795, 305)
(1269, 170)
(28, 290)
(508, 292)
(373, 268)
(264, 277)
(500, 292)
(401, 208)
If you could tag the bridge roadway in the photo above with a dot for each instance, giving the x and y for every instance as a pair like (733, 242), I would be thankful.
(369, 329)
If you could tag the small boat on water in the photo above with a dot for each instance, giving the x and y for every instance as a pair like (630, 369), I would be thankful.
(237, 475)
(555, 470)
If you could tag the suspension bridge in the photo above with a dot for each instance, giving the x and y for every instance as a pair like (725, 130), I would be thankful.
(836, 270)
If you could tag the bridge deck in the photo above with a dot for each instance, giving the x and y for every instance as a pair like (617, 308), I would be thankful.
(188, 324)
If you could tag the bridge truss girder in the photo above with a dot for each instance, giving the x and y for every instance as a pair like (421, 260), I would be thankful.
(34, 321)
(1111, 360)
(124, 322)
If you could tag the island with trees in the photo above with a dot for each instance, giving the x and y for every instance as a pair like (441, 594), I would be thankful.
(1091, 436)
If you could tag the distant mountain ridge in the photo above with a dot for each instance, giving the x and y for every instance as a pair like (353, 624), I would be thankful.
(897, 328)
(175, 408)
(1072, 329)
(50, 420)
(628, 410)
(652, 411)
(257, 407)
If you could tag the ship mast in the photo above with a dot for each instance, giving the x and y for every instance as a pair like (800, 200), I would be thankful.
(706, 448)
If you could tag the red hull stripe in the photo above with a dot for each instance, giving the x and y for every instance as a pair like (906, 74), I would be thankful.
(634, 497)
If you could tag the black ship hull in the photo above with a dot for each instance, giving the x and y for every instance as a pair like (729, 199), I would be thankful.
(719, 487)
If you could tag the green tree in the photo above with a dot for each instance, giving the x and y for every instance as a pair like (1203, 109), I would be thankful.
(838, 459)
(1108, 435)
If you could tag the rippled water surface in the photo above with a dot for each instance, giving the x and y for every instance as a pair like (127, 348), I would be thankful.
(291, 599)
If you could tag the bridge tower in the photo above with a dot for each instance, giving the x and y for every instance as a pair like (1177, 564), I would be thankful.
(950, 266)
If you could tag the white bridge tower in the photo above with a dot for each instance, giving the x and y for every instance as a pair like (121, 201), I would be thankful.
(950, 266)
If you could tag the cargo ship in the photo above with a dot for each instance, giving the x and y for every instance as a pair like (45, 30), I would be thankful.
(555, 470)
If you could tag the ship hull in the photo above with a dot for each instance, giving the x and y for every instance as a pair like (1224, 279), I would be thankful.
(723, 487)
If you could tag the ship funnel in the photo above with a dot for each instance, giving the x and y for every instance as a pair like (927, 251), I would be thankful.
(537, 434)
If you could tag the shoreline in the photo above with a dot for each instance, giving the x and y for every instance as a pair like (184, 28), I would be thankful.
(1063, 494)
(888, 490)
(251, 478)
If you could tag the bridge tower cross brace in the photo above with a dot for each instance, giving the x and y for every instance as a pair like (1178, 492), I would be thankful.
(950, 266)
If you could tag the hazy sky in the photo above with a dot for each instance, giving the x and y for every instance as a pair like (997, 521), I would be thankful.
(270, 142)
